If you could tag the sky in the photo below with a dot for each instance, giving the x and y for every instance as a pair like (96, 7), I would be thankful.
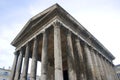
(100, 17)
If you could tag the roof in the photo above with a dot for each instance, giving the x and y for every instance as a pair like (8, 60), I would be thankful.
(39, 15)
(37, 18)
(117, 65)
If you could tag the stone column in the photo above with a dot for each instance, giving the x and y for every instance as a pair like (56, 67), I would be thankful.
(100, 67)
(108, 70)
(26, 62)
(70, 58)
(81, 70)
(57, 52)
(96, 67)
(44, 57)
(34, 59)
(114, 72)
(19, 65)
(111, 70)
(104, 68)
(104, 73)
(14, 66)
(89, 64)
(50, 72)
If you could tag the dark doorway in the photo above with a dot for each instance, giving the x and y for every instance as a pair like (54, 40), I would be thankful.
(65, 74)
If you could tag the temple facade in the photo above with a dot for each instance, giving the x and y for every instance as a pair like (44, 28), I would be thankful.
(66, 50)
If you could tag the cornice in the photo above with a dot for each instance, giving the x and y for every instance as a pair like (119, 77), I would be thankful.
(68, 21)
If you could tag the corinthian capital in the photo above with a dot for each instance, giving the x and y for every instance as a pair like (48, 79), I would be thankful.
(57, 24)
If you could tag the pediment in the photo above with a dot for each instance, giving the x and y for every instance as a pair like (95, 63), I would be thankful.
(35, 20)
(51, 12)
(54, 10)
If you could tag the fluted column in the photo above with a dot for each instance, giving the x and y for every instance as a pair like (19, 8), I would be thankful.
(104, 68)
(89, 64)
(100, 67)
(114, 72)
(108, 70)
(81, 71)
(44, 61)
(14, 66)
(96, 67)
(34, 59)
(57, 52)
(111, 70)
(70, 58)
(19, 65)
(50, 72)
(26, 62)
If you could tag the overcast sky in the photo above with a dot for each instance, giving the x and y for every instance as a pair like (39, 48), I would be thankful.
(99, 17)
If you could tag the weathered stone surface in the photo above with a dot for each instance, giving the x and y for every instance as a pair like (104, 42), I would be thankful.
(108, 71)
(34, 60)
(19, 65)
(77, 62)
(57, 52)
(70, 58)
(44, 61)
(96, 65)
(14, 66)
(80, 64)
(104, 68)
(89, 63)
(26, 62)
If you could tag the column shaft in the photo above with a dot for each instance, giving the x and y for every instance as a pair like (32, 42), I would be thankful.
(108, 70)
(89, 64)
(34, 60)
(57, 52)
(50, 73)
(14, 66)
(101, 67)
(19, 65)
(81, 71)
(44, 61)
(104, 68)
(114, 72)
(104, 76)
(96, 67)
(26, 62)
(70, 58)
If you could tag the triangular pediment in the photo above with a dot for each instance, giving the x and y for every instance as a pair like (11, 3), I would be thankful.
(53, 10)
(34, 20)
(44, 17)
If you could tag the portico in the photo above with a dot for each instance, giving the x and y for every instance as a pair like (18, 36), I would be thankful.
(66, 50)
